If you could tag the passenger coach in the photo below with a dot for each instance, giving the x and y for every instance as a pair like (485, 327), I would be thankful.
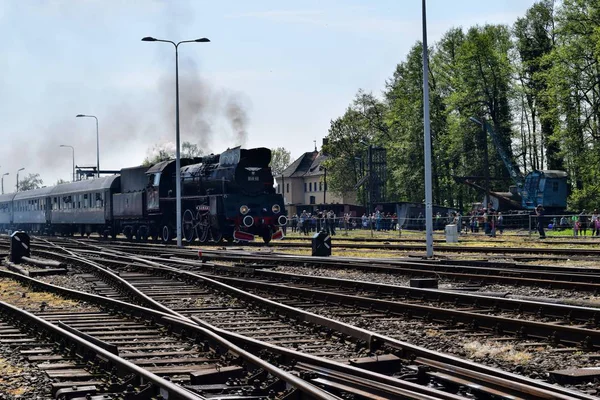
(31, 209)
(6, 210)
(83, 207)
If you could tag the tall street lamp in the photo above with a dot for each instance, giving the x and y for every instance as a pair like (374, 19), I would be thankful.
(18, 177)
(3, 181)
(73, 150)
(177, 157)
(427, 141)
(97, 142)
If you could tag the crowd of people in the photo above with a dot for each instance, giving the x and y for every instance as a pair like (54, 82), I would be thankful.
(580, 223)
(483, 220)
(307, 222)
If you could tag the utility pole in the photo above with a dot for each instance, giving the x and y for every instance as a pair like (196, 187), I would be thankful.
(427, 141)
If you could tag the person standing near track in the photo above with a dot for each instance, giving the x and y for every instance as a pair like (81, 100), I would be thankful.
(584, 223)
(593, 222)
(539, 211)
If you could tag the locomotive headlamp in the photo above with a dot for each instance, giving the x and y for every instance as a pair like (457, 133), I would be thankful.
(276, 209)
(244, 210)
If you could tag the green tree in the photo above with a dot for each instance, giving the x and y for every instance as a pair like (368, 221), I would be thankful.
(535, 39)
(30, 182)
(280, 160)
(574, 93)
(348, 139)
(60, 181)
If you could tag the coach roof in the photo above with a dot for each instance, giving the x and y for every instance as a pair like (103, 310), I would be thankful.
(86, 186)
(7, 197)
(34, 193)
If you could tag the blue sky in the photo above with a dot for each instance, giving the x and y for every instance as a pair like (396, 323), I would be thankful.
(280, 70)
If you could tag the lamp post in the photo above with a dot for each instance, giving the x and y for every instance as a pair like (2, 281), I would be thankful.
(3, 181)
(427, 142)
(73, 150)
(97, 142)
(177, 154)
(18, 177)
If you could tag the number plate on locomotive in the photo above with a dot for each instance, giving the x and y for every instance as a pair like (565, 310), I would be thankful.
(253, 178)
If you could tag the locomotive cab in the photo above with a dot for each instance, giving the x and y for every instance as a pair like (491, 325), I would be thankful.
(549, 188)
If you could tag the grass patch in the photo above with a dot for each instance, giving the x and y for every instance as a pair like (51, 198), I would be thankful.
(21, 296)
(506, 352)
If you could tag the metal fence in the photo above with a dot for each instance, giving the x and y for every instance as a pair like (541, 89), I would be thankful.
(575, 225)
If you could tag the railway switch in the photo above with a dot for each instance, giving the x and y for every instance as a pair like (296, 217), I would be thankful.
(321, 244)
(19, 246)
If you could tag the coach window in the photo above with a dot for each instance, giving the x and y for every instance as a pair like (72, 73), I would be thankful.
(85, 200)
(100, 200)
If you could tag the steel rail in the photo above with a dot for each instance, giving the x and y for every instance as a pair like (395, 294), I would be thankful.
(557, 333)
(408, 388)
(489, 375)
(419, 269)
(587, 338)
(375, 340)
(123, 366)
(110, 277)
(179, 325)
(542, 309)
(537, 272)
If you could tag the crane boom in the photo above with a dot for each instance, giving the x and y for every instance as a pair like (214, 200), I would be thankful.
(513, 170)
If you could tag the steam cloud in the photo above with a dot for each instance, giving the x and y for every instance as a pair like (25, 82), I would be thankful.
(209, 117)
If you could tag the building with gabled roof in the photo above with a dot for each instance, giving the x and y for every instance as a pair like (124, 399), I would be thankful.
(304, 183)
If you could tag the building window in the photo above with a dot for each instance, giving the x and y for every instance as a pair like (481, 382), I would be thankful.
(305, 187)
(313, 200)
(320, 186)
(287, 187)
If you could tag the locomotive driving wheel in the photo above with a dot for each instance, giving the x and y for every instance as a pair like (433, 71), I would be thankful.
(166, 234)
(188, 226)
(203, 228)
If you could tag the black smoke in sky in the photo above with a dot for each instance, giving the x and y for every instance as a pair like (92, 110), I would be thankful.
(213, 118)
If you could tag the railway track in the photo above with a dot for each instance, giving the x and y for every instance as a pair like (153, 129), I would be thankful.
(472, 271)
(586, 241)
(220, 322)
(522, 252)
(155, 345)
(265, 313)
(77, 367)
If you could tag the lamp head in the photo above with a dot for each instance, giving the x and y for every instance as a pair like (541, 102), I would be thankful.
(79, 116)
(148, 39)
(21, 169)
(201, 40)
(6, 173)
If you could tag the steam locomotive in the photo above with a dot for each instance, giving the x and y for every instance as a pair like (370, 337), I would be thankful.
(225, 196)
